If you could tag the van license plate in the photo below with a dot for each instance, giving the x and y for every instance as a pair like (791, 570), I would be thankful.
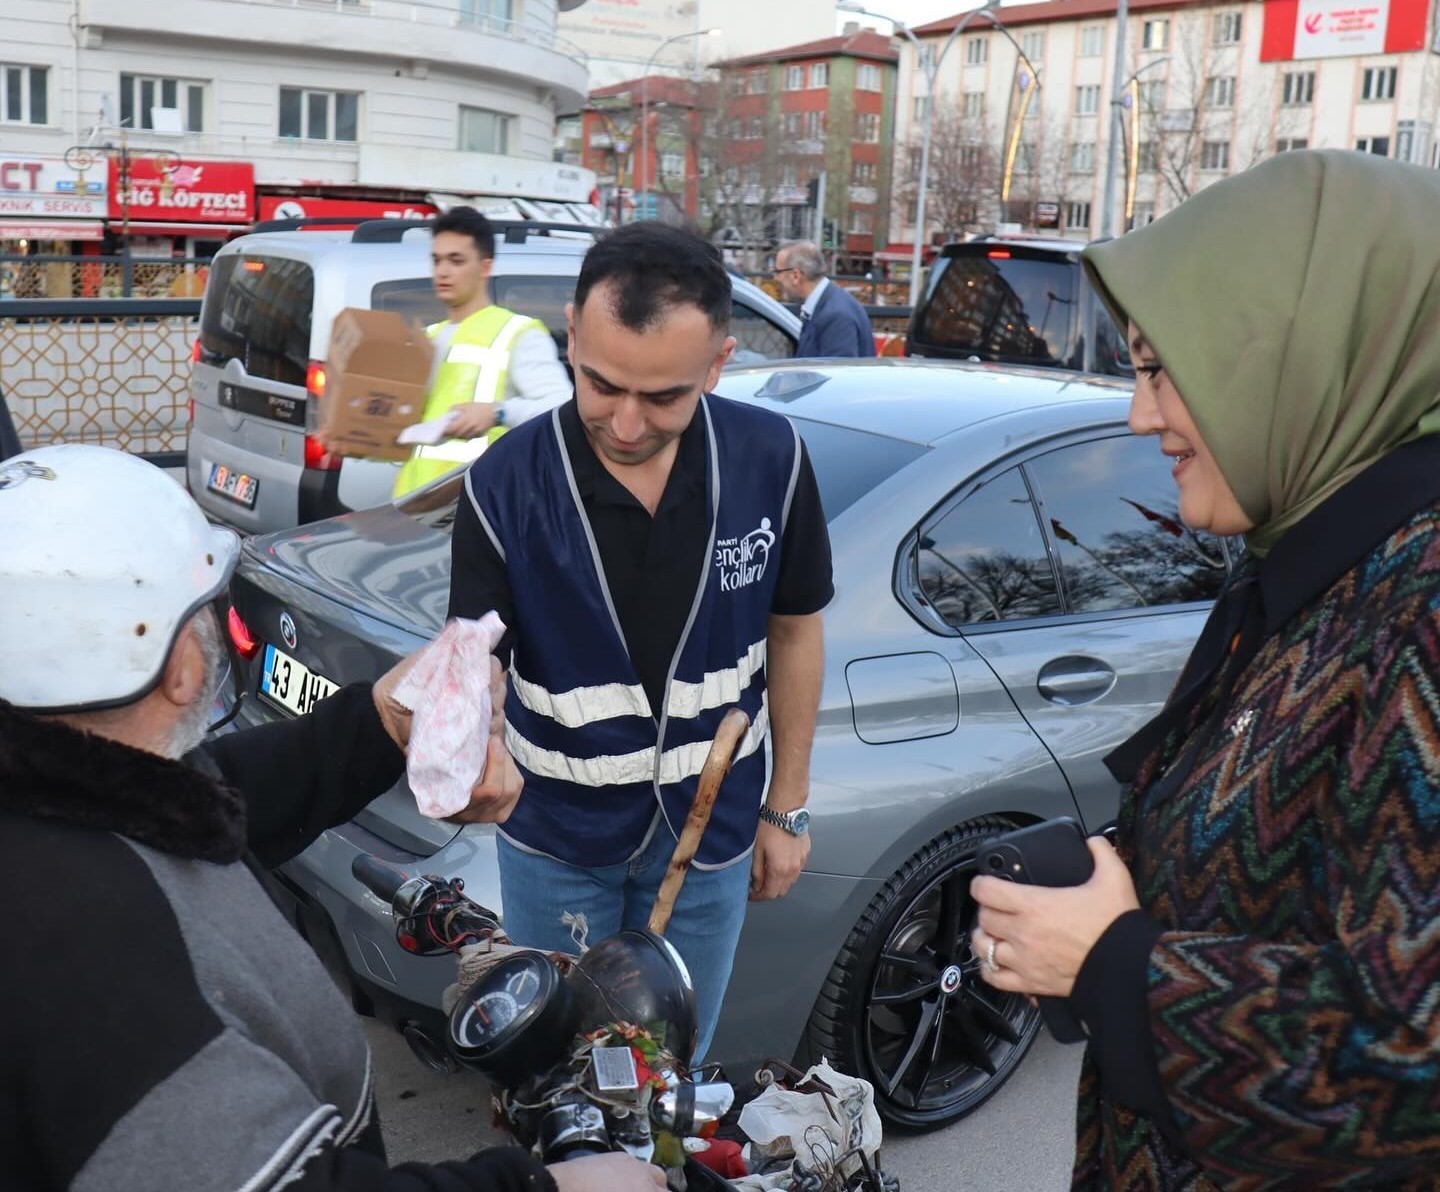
(292, 685)
(239, 487)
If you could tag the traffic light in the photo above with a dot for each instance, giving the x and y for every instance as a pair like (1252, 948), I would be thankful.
(812, 192)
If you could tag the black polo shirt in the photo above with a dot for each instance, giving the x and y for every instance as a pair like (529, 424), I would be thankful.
(652, 564)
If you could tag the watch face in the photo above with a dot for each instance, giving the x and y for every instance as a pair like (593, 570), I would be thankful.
(800, 822)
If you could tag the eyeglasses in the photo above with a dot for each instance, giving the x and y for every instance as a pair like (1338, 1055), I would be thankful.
(778, 272)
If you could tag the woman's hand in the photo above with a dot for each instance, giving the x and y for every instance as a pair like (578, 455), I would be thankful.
(1041, 935)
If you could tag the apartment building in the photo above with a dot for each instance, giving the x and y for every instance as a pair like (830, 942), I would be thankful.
(1024, 110)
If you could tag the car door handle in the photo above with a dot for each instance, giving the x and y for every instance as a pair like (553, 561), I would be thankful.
(1074, 680)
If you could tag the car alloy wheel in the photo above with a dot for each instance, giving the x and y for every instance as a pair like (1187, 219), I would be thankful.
(904, 1005)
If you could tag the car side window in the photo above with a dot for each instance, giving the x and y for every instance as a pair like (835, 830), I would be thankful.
(757, 338)
(1113, 515)
(985, 560)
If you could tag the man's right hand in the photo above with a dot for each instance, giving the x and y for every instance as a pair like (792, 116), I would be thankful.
(606, 1173)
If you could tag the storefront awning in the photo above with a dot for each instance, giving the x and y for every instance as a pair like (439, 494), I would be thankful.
(205, 231)
(55, 229)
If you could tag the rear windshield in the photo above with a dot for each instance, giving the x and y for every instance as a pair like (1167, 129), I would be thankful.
(257, 310)
(1009, 308)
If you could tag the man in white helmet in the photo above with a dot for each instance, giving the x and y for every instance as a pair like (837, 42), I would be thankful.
(161, 1026)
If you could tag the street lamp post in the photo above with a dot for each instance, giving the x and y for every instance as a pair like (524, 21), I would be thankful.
(1131, 100)
(1117, 121)
(930, 66)
(81, 158)
(645, 105)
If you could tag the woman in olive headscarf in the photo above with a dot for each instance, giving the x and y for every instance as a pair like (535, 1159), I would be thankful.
(1258, 967)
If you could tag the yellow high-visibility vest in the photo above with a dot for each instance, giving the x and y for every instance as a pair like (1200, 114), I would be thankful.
(475, 368)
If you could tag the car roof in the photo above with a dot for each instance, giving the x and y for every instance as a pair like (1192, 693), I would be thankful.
(940, 397)
(316, 246)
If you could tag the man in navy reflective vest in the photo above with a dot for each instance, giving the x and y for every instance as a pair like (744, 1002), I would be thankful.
(660, 555)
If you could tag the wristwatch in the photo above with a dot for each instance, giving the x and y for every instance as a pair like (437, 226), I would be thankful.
(499, 415)
(797, 823)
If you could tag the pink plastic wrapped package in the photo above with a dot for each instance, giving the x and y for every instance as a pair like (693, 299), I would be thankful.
(448, 690)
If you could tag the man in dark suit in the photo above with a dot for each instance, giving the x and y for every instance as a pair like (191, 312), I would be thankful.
(832, 322)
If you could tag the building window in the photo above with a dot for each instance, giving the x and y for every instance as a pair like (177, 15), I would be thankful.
(140, 95)
(1077, 216)
(869, 78)
(815, 125)
(974, 105)
(1147, 158)
(1298, 89)
(867, 128)
(1220, 92)
(922, 103)
(1380, 146)
(1215, 155)
(794, 78)
(755, 82)
(755, 129)
(977, 51)
(319, 115)
(865, 173)
(732, 175)
(1379, 83)
(737, 130)
(1151, 94)
(1156, 34)
(26, 94)
(1285, 144)
(1087, 100)
(1032, 45)
(970, 157)
(493, 14)
(1142, 214)
(791, 124)
(819, 76)
(672, 165)
(1092, 41)
(1025, 158)
(790, 174)
(484, 131)
(1227, 28)
(1082, 157)
(862, 223)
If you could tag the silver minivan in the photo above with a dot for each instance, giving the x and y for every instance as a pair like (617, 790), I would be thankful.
(259, 365)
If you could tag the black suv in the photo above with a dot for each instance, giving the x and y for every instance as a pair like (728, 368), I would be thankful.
(1016, 300)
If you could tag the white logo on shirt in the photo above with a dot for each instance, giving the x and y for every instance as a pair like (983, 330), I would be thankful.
(742, 561)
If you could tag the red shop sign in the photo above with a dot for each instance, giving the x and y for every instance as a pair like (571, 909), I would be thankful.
(306, 207)
(204, 192)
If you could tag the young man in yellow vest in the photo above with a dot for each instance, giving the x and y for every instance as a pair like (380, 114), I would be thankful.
(493, 368)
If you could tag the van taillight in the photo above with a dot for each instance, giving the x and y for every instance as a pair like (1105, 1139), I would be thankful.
(195, 352)
(240, 636)
(999, 254)
(317, 457)
(315, 378)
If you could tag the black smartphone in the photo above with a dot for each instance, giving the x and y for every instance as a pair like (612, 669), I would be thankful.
(1050, 853)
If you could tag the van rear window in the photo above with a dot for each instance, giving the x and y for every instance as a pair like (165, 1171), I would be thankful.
(257, 310)
(1008, 308)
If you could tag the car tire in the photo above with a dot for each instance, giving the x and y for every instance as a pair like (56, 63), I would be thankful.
(904, 1005)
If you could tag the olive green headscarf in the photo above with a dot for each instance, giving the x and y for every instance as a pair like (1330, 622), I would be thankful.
(1296, 308)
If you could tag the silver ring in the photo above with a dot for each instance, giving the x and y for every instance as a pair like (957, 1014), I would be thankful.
(990, 957)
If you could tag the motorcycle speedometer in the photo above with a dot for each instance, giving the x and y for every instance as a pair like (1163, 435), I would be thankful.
(518, 1019)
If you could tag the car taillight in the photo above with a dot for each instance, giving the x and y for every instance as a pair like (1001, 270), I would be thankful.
(195, 352)
(315, 378)
(999, 254)
(240, 636)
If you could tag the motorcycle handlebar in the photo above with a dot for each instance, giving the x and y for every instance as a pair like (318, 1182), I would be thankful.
(377, 876)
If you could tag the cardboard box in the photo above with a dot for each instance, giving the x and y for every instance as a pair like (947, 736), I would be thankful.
(377, 376)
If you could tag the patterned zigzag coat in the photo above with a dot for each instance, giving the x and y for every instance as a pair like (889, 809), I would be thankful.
(1271, 1017)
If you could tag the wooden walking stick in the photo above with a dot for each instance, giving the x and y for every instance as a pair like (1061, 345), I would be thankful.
(717, 765)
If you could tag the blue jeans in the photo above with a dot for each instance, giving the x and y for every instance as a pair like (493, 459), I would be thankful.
(541, 896)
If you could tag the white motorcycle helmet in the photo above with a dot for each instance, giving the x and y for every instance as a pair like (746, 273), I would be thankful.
(103, 558)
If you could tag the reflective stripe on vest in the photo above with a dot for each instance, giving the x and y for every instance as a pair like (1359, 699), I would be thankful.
(586, 705)
(472, 371)
(627, 769)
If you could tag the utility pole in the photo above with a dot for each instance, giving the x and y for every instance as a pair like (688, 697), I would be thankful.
(1117, 116)
(820, 211)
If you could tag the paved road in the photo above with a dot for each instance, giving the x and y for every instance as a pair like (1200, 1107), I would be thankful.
(1021, 1139)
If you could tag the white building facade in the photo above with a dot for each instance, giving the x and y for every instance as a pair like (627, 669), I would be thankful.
(311, 101)
(1211, 89)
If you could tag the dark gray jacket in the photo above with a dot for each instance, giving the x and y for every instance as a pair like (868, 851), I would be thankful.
(161, 1026)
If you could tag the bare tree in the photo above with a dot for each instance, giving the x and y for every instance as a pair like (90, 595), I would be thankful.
(965, 167)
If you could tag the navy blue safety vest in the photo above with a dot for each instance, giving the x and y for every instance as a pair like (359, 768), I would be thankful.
(593, 756)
